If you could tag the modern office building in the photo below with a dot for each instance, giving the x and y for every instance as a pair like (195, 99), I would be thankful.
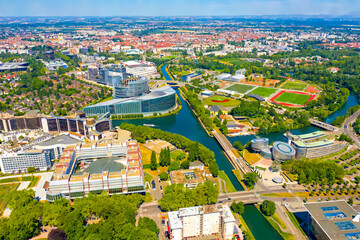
(334, 220)
(20, 161)
(77, 125)
(106, 166)
(259, 143)
(55, 65)
(315, 144)
(158, 100)
(13, 66)
(282, 151)
(201, 221)
(131, 88)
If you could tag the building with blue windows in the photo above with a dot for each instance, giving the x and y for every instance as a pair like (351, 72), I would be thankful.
(133, 96)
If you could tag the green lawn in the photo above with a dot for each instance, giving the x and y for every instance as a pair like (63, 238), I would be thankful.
(294, 85)
(293, 98)
(234, 60)
(263, 91)
(222, 101)
(3, 190)
(240, 88)
(229, 186)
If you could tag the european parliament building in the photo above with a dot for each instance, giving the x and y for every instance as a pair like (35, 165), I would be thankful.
(133, 96)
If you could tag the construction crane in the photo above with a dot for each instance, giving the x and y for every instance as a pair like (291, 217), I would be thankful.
(82, 77)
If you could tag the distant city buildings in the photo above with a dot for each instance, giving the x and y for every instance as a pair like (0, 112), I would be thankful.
(201, 221)
(14, 66)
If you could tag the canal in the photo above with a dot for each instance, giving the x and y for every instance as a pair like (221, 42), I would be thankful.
(258, 225)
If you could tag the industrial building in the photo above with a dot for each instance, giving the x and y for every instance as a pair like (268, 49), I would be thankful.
(201, 221)
(20, 161)
(333, 220)
(315, 144)
(106, 166)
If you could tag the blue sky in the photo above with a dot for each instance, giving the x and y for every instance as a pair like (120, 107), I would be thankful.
(176, 7)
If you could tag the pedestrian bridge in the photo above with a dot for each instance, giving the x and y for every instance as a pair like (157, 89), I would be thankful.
(323, 125)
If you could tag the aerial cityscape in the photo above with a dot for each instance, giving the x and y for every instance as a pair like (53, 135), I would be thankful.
(216, 120)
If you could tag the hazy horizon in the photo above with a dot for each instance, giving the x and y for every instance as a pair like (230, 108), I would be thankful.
(158, 8)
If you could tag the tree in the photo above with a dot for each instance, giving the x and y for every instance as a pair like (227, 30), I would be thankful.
(238, 207)
(238, 145)
(251, 178)
(31, 169)
(164, 176)
(153, 162)
(57, 234)
(214, 169)
(185, 164)
(351, 200)
(147, 223)
(268, 208)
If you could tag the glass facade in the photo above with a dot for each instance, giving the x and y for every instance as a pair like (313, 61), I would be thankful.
(137, 106)
(63, 125)
(33, 123)
(73, 125)
(102, 126)
(131, 88)
(52, 125)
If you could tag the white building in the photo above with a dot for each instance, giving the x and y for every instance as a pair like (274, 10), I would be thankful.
(201, 221)
(12, 162)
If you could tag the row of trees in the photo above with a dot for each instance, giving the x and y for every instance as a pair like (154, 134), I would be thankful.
(201, 111)
(313, 171)
(115, 217)
(177, 196)
(196, 150)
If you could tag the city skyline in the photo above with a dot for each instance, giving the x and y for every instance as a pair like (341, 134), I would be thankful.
(179, 8)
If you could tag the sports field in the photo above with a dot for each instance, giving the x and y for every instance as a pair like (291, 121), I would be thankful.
(222, 101)
(293, 98)
(240, 88)
(263, 91)
(292, 85)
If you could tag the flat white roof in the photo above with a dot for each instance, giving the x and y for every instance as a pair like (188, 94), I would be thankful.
(174, 220)
(183, 212)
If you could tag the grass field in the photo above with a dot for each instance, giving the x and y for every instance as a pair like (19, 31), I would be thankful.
(251, 158)
(229, 186)
(240, 88)
(294, 85)
(234, 60)
(4, 189)
(222, 101)
(263, 91)
(293, 98)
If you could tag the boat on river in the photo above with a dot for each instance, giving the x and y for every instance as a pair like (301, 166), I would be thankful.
(148, 125)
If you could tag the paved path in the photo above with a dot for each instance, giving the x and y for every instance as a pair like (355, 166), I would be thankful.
(23, 185)
(290, 226)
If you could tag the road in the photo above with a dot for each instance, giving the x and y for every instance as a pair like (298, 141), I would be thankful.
(348, 130)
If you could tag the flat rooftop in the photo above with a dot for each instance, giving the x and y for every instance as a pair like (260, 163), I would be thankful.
(311, 135)
(335, 218)
(102, 164)
(60, 139)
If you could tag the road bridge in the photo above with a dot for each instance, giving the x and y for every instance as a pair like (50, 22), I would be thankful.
(325, 126)
(237, 162)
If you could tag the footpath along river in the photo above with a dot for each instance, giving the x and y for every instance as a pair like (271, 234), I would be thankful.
(186, 124)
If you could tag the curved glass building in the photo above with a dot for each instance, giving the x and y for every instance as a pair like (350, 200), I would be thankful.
(142, 101)
(131, 88)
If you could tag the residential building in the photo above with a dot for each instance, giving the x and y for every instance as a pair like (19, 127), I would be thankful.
(201, 221)
(191, 177)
